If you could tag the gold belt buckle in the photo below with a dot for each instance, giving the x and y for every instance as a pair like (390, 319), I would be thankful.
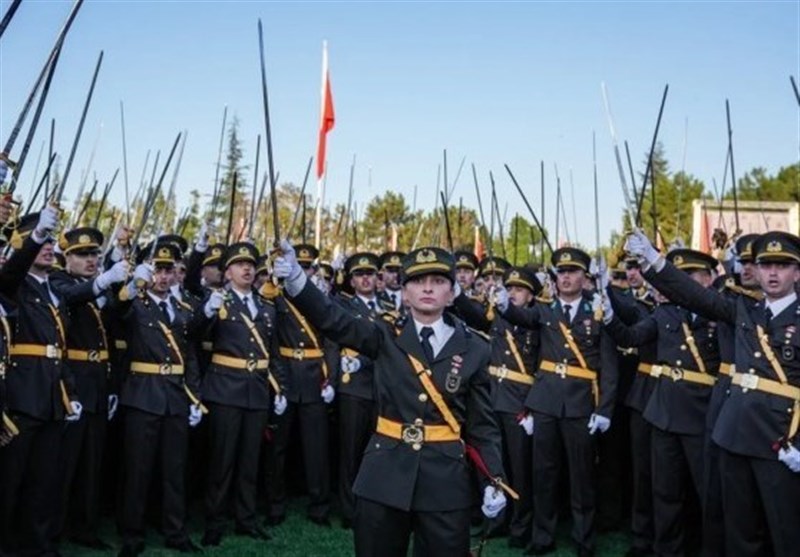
(676, 373)
(412, 434)
(749, 381)
(251, 365)
(93, 356)
(51, 351)
(165, 369)
(561, 370)
(299, 354)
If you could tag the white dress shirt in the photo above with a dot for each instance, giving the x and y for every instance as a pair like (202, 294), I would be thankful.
(441, 334)
(777, 306)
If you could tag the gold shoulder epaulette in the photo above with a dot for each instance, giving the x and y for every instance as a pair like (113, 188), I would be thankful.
(544, 299)
(184, 305)
(757, 295)
(481, 334)
(269, 290)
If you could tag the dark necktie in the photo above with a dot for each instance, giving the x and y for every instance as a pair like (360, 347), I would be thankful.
(567, 308)
(246, 301)
(165, 311)
(394, 299)
(768, 315)
(426, 333)
(371, 305)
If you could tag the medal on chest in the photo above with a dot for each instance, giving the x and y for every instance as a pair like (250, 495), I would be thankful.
(453, 379)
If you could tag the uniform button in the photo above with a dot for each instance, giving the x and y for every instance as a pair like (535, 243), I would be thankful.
(508, 352)
(301, 344)
(683, 347)
(566, 346)
(377, 445)
(418, 422)
(302, 330)
(423, 397)
(416, 446)
(751, 370)
(757, 354)
(678, 363)
(252, 339)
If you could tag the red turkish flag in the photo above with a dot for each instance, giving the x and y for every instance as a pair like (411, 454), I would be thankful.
(327, 118)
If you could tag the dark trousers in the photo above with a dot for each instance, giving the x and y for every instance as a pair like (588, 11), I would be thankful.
(29, 482)
(614, 472)
(152, 440)
(642, 506)
(713, 514)
(517, 456)
(356, 425)
(82, 461)
(677, 469)
(382, 531)
(313, 420)
(553, 436)
(235, 436)
(762, 506)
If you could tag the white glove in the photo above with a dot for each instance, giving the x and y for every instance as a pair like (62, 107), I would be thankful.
(493, 501)
(3, 171)
(350, 364)
(214, 303)
(338, 262)
(598, 423)
(143, 272)
(790, 457)
(113, 402)
(730, 252)
(117, 273)
(77, 410)
(48, 220)
(608, 311)
(639, 246)
(287, 267)
(327, 394)
(526, 423)
(201, 240)
(279, 405)
(195, 415)
(501, 298)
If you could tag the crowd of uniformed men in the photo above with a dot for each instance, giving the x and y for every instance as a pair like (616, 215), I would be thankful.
(646, 398)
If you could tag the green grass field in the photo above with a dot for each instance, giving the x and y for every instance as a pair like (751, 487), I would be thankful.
(299, 538)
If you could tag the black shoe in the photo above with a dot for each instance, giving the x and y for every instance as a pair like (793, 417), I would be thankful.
(255, 532)
(539, 549)
(211, 538)
(323, 521)
(131, 549)
(276, 520)
(91, 543)
(184, 546)
(347, 524)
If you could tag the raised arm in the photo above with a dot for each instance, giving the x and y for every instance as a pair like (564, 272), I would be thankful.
(643, 332)
(472, 313)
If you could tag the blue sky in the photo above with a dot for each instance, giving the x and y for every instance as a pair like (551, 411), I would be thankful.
(493, 82)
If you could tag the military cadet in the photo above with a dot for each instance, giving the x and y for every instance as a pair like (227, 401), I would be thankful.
(491, 269)
(572, 398)
(466, 265)
(203, 274)
(756, 429)
(311, 366)
(632, 302)
(236, 390)
(160, 396)
(262, 272)
(391, 264)
(40, 396)
(355, 389)
(326, 276)
(687, 355)
(432, 396)
(83, 294)
(515, 357)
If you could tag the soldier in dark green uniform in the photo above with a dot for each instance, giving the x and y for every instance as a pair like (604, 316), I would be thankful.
(390, 266)
(466, 265)
(160, 397)
(355, 387)
(236, 390)
(572, 398)
(84, 293)
(432, 397)
(757, 426)
(687, 362)
(515, 357)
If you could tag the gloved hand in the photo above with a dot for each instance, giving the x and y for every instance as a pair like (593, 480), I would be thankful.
(201, 240)
(195, 415)
(790, 457)
(286, 265)
(526, 423)
(214, 303)
(279, 405)
(350, 364)
(338, 262)
(494, 501)
(327, 394)
(143, 273)
(117, 273)
(598, 423)
(3, 171)
(730, 253)
(608, 311)
(77, 410)
(48, 220)
(113, 402)
(501, 298)
(640, 247)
